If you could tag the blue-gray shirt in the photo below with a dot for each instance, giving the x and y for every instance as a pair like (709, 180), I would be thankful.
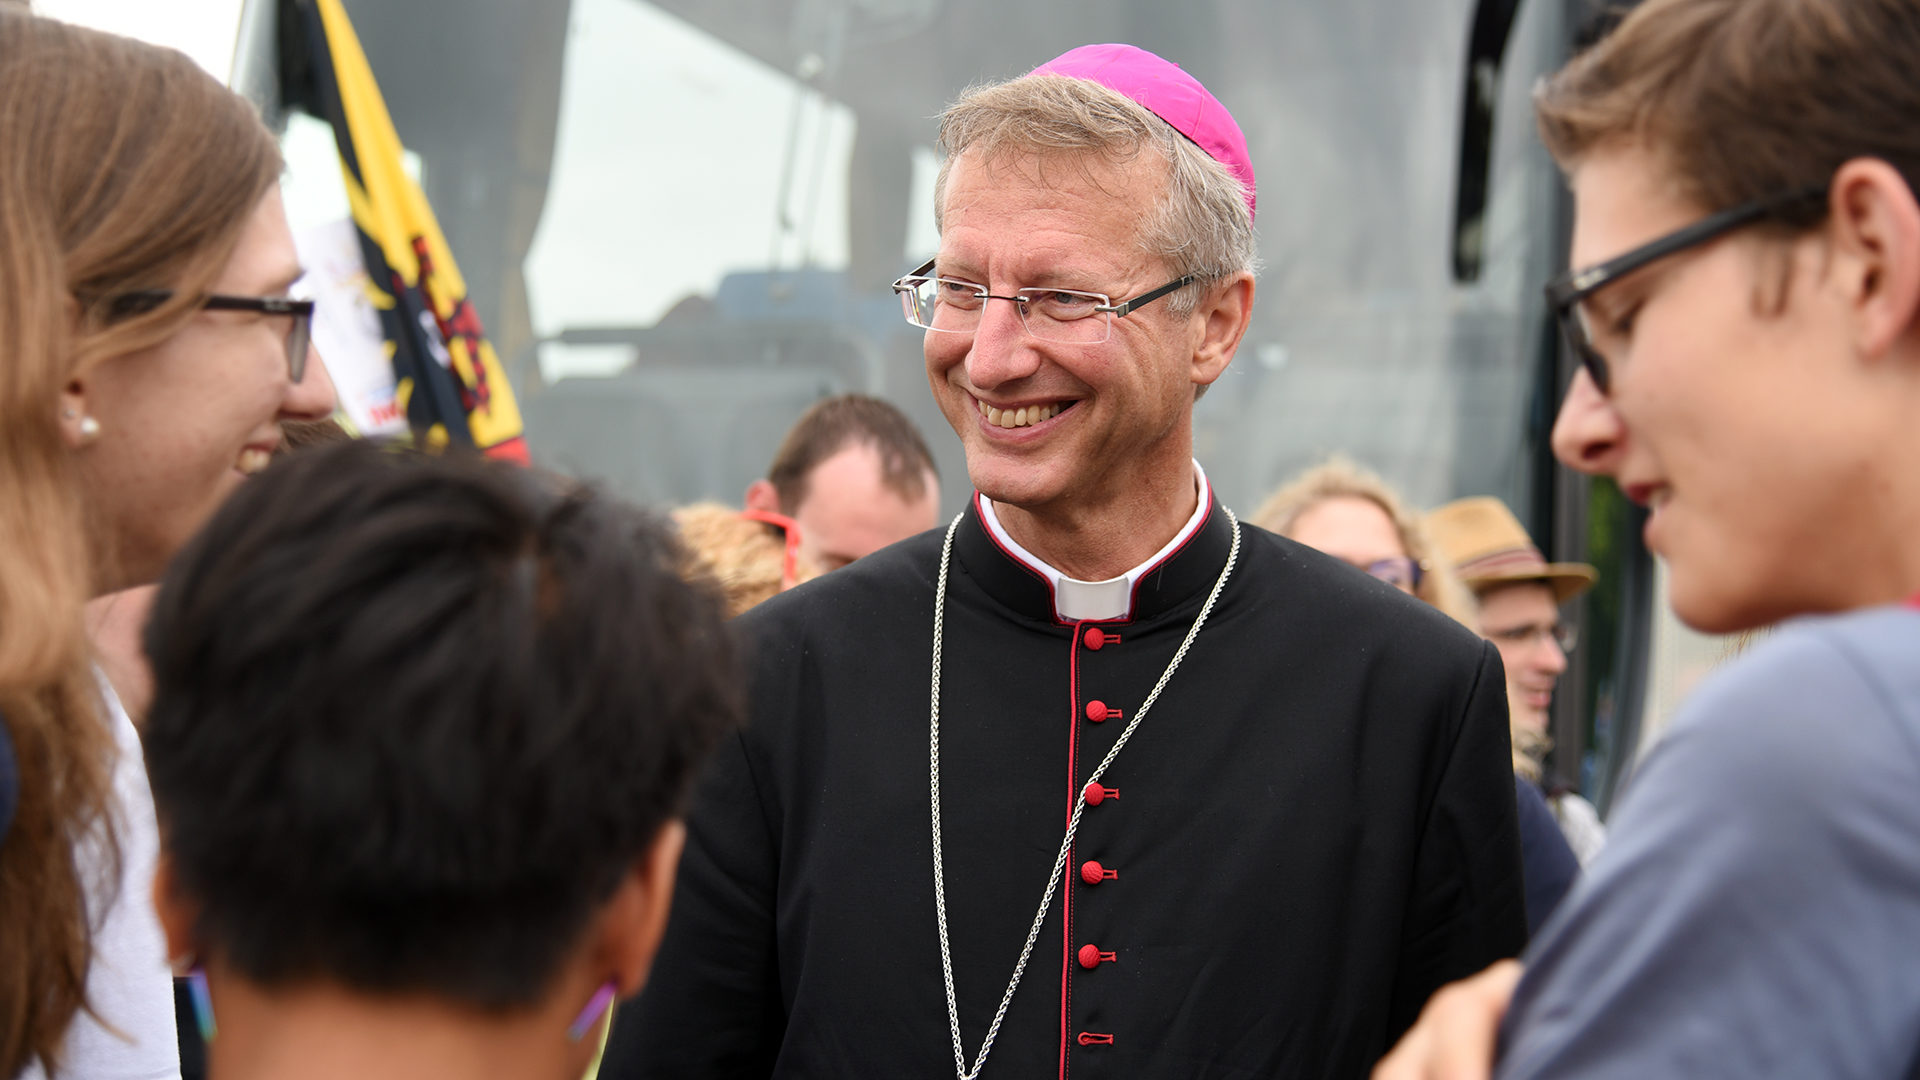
(1756, 912)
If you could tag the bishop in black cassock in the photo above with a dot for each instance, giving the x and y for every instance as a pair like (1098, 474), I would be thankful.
(1311, 830)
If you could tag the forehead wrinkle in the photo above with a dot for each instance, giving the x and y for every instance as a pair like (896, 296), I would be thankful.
(1086, 189)
(1060, 251)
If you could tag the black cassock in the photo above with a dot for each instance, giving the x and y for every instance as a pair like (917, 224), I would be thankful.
(1310, 832)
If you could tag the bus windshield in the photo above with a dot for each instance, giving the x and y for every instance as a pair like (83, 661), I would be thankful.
(680, 219)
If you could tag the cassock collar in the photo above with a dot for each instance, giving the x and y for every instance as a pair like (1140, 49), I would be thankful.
(1185, 568)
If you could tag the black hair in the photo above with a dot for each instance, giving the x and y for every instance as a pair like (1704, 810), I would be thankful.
(415, 717)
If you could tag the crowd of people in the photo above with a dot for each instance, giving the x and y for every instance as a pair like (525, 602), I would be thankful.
(324, 758)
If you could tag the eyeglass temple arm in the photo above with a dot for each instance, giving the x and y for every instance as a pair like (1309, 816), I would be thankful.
(922, 270)
(1576, 285)
(1121, 310)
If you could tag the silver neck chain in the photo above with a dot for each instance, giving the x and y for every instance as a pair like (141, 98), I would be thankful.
(1079, 805)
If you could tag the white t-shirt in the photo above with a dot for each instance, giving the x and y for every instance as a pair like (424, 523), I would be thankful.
(129, 984)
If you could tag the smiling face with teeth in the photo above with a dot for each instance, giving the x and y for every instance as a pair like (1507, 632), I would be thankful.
(182, 424)
(1071, 431)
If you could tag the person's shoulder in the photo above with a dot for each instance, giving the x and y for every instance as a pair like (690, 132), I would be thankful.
(895, 579)
(1295, 581)
(1819, 694)
(1780, 798)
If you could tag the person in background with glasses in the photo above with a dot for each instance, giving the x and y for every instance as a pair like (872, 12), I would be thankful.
(1094, 780)
(149, 355)
(1751, 375)
(1349, 512)
(1518, 597)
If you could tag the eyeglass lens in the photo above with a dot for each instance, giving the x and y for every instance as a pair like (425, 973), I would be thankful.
(299, 345)
(955, 307)
(1398, 572)
(1579, 335)
(1564, 635)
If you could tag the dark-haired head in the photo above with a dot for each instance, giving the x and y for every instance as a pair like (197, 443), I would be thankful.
(419, 722)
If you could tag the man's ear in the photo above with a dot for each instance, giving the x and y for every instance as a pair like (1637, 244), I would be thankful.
(762, 496)
(177, 914)
(636, 917)
(1223, 316)
(1875, 228)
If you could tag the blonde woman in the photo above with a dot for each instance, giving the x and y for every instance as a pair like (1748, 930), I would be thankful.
(148, 357)
(1346, 510)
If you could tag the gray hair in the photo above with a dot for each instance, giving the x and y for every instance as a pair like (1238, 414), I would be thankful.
(1202, 225)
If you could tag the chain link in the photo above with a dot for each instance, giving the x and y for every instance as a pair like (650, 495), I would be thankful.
(1079, 805)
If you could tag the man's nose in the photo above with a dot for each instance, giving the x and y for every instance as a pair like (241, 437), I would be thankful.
(1588, 435)
(1550, 656)
(1003, 351)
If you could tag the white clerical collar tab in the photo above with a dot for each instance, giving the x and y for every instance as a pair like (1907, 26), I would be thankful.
(1099, 601)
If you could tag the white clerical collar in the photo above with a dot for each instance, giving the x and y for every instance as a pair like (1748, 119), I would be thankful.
(1099, 601)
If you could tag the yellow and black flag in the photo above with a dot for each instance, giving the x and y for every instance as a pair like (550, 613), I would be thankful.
(449, 381)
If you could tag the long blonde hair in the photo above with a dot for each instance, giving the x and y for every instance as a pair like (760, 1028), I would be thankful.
(123, 167)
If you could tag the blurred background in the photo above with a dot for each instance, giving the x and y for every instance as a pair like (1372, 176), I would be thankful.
(679, 220)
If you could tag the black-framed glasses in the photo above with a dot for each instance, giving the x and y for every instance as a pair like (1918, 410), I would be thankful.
(1399, 571)
(1567, 293)
(300, 312)
(952, 306)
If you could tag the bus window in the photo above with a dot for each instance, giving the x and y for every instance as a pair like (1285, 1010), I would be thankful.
(680, 218)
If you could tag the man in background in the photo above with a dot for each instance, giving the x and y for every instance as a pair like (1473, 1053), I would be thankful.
(854, 475)
(1520, 595)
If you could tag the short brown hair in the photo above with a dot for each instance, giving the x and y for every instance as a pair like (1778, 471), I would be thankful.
(1745, 99)
(830, 426)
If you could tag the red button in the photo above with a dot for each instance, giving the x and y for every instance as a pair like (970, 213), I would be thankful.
(1091, 957)
(1097, 794)
(1097, 639)
(1093, 873)
(1095, 1038)
(1098, 711)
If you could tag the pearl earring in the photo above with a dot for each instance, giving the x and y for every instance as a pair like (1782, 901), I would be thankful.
(89, 429)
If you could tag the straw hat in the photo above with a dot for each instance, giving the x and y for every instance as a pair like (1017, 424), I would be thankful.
(1486, 545)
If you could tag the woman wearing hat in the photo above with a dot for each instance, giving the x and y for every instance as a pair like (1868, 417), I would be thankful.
(1746, 307)
(1519, 595)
